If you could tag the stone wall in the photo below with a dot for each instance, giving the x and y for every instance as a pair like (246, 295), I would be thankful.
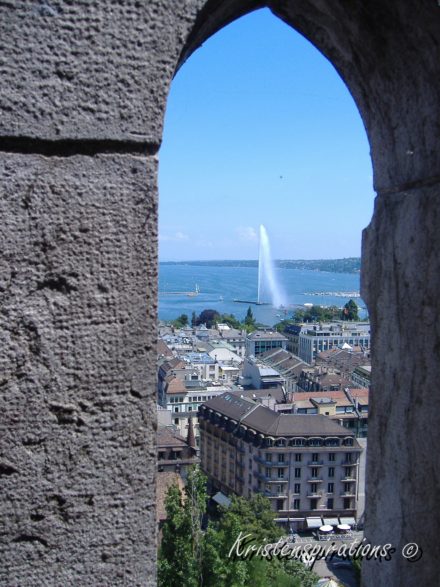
(82, 100)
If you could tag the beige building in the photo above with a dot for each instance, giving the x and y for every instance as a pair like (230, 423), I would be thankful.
(307, 465)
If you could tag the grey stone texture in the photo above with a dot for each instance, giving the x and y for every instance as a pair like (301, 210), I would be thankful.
(82, 100)
(89, 69)
(401, 282)
(77, 368)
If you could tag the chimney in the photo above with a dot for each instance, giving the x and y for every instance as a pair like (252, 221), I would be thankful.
(191, 440)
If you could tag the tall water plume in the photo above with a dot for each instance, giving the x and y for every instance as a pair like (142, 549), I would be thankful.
(267, 281)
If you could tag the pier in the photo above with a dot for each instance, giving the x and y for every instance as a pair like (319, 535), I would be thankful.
(254, 302)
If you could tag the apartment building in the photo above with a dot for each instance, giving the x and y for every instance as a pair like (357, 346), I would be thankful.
(361, 376)
(307, 465)
(260, 341)
(321, 337)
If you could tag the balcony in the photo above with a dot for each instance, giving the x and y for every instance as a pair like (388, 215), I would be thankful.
(349, 479)
(263, 462)
(315, 463)
(348, 494)
(314, 494)
(314, 480)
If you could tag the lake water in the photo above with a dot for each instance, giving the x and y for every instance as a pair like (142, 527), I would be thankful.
(219, 286)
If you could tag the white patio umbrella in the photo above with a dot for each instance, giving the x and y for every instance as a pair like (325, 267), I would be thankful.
(344, 527)
(327, 582)
(326, 528)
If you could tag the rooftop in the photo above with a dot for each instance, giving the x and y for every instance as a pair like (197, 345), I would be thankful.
(266, 335)
(266, 421)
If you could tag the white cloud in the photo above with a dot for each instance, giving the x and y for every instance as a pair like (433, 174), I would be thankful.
(246, 233)
(176, 237)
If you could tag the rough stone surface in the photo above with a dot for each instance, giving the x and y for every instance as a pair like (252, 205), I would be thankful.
(77, 365)
(82, 80)
(401, 283)
(89, 69)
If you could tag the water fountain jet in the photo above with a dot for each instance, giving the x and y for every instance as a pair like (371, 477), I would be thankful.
(267, 280)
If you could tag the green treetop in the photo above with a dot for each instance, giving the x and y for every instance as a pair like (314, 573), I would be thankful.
(350, 311)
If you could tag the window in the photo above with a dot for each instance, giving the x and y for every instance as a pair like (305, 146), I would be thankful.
(348, 457)
(330, 487)
(331, 456)
(268, 456)
(298, 457)
(348, 472)
(315, 457)
(297, 488)
(313, 503)
(267, 472)
(176, 409)
(330, 503)
(297, 473)
(296, 504)
(281, 458)
(347, 503)
(314, 471)
(331, 471)
(347, 487)
(280, 504)
(176, 421)
(280, 473)
(313, 487)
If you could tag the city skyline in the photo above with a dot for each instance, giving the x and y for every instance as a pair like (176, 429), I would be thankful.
(261, 129)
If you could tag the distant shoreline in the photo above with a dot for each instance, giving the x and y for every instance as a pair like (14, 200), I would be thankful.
(347, 265)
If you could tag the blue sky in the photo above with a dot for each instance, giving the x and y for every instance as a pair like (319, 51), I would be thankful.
(260, 129)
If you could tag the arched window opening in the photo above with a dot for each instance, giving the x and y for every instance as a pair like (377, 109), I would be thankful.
(265, 185)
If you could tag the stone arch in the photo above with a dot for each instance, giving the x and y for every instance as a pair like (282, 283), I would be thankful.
(82, 104)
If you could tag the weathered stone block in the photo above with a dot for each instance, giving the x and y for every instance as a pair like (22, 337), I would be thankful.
(90, 69)
(78, 340)
(401, 283)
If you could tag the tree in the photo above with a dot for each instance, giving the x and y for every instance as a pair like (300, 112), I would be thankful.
(181, 550)
(193, 319)
(231, 321)
(350, 311)
(252, 516)
(249, 321)
(191, 557)
(181, 321)
(208, 317)
(316, 314)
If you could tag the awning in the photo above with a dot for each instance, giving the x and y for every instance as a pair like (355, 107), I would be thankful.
(349, 521)
(331, 521)
(313, 522)
(221, 499)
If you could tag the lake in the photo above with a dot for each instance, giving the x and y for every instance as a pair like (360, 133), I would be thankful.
(219, 286)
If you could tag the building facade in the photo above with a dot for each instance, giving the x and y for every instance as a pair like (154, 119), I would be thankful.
(260, 341)
(322, 337)
(307, 465)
